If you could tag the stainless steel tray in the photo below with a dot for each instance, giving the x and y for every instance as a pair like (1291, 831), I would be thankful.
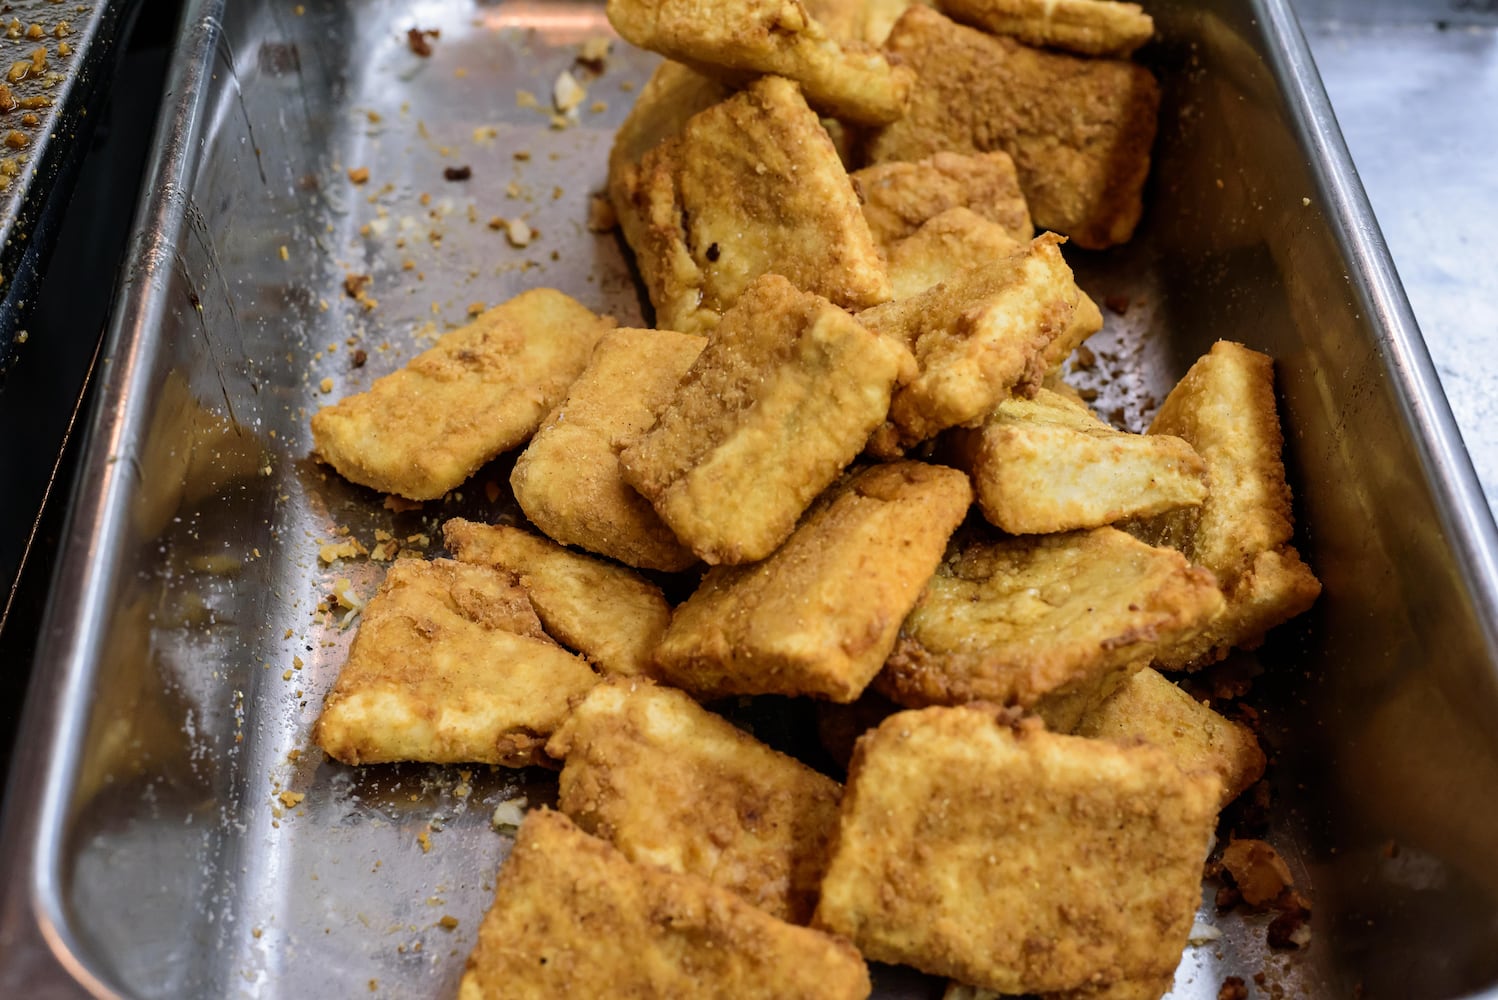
(185, 656)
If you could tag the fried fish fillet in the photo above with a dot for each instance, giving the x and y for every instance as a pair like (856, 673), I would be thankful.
(450, 666)
(568, 480)
(899, 197)
(737, 40)
(858, 20)
(676, 787)
(1079, 129)
(1087, 27)
(1017, 620)
(820, 615)
(483, 389)
(1019, 860)
(572, 918)
(1047, 464)
(783, 397)
(1225, 409)
(752, 185)
(1150, 708)
(606, 612)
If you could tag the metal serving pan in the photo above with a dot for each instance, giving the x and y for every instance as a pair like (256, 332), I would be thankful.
(184, 656)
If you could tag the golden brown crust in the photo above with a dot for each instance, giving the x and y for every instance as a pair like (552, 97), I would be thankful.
(942, 248)
(900, 197)
(568, 480)
(820, 615)
(1087, 27)
(1079, 130)
(482, 390)
(572, 918)
(1016, 859)
(674, 786)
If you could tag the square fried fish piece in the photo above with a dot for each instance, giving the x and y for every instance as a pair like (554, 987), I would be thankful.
(820, 615)
(450, 666)
(573, 918)
(1087, 27)
(752, 185)
(1225, 409)
(1016, 859)
(568, 480)
(608, 613)
(674, 786)
(483, 389)
(1017, 620)
(738, 40)
(899, 197)
(783, 397)
(1047, 464)
(1079, 130)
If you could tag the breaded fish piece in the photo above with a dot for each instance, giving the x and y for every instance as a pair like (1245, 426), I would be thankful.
(898, 198)
(1087, 27)
(1019, 860)
(483, 389)
(978, 337)
(737, 40)
(1047, 464)
(820, 615)
(1150, 708)
(753, 185)
(1016, 620)
(450, 666)
(572, 918)
(858, 20)
(676, 787)
(606, 612)
(1079, 129)
(783, 397)
(568, 480)
(1225, 409)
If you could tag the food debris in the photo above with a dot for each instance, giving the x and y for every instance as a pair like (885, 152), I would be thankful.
(1257, 870)
(355, 284)
(418, 40)
(1233, 988)
(457, 173)
(567, 93)
(519, 233)
(349, 548)
(525, 99)
(424, 838)
(326, 385)
(448, 922)
(357, 359)
(358, 175)
(601, 215)
(343, 592)
(291, 800)
(285, 254)
(508, 815)
(593, 54)
(398, 504)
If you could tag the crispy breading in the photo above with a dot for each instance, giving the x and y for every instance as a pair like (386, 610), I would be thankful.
(978, 337)
(573, 918)
(1225, 409)
(737, 40)
(674, 786)
(1087, 27)
(783, 397)
(1014, 620)
(606, 612)
(1150, 708)
(899, 197)
(568, 480)
(483, 389)
(858, 20)
(1087, 320)
(753, 185)
(1148, 988)
(820, 615)
(1019, 860)
(1047, 464)
(1079, 129)
(451, 666)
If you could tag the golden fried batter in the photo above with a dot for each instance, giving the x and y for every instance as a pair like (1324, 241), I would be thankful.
(674, 786)
(1225, 409)
(782, 398)
(450, 666)
(737, 40)
(606, 612)
(568, 480)
(482, 390)
(572, 918)
(1015, 620)
(1079, 129)
(942, 248)
(1150, 708)
(1148, 988)
(753, 185)
(1088, 27)
(820, 615)
(1047, 464)
(858, 20)
(899, 197)
(1016, 859)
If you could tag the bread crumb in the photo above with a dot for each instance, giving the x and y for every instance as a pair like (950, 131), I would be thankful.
(291, 799)
(285, 254)
(525, 99)
(448, 922)
(566, 92)
(519, 233)
(508, 815)
(594, 53)
(424, 838)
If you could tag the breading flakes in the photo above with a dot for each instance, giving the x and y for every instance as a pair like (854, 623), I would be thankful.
(1087, 27)
(899, 197)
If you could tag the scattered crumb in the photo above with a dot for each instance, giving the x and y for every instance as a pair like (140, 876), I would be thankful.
(1233, 988)
(1257, 870)
(285, 254)
(395, 503)
(508, 815)
(424, 838)
(357, 359)
(355, 284)
(593, 54)
(457, 173)
(1117, 303)
(519, 233)
(566, 92)
(601, 215)
(349, 548)
(419, 40)
(291, 799)
(525, 99)
(326, 385)
(448, 922)
(358, 175)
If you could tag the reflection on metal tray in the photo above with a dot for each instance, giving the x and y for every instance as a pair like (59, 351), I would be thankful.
(189, 640)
